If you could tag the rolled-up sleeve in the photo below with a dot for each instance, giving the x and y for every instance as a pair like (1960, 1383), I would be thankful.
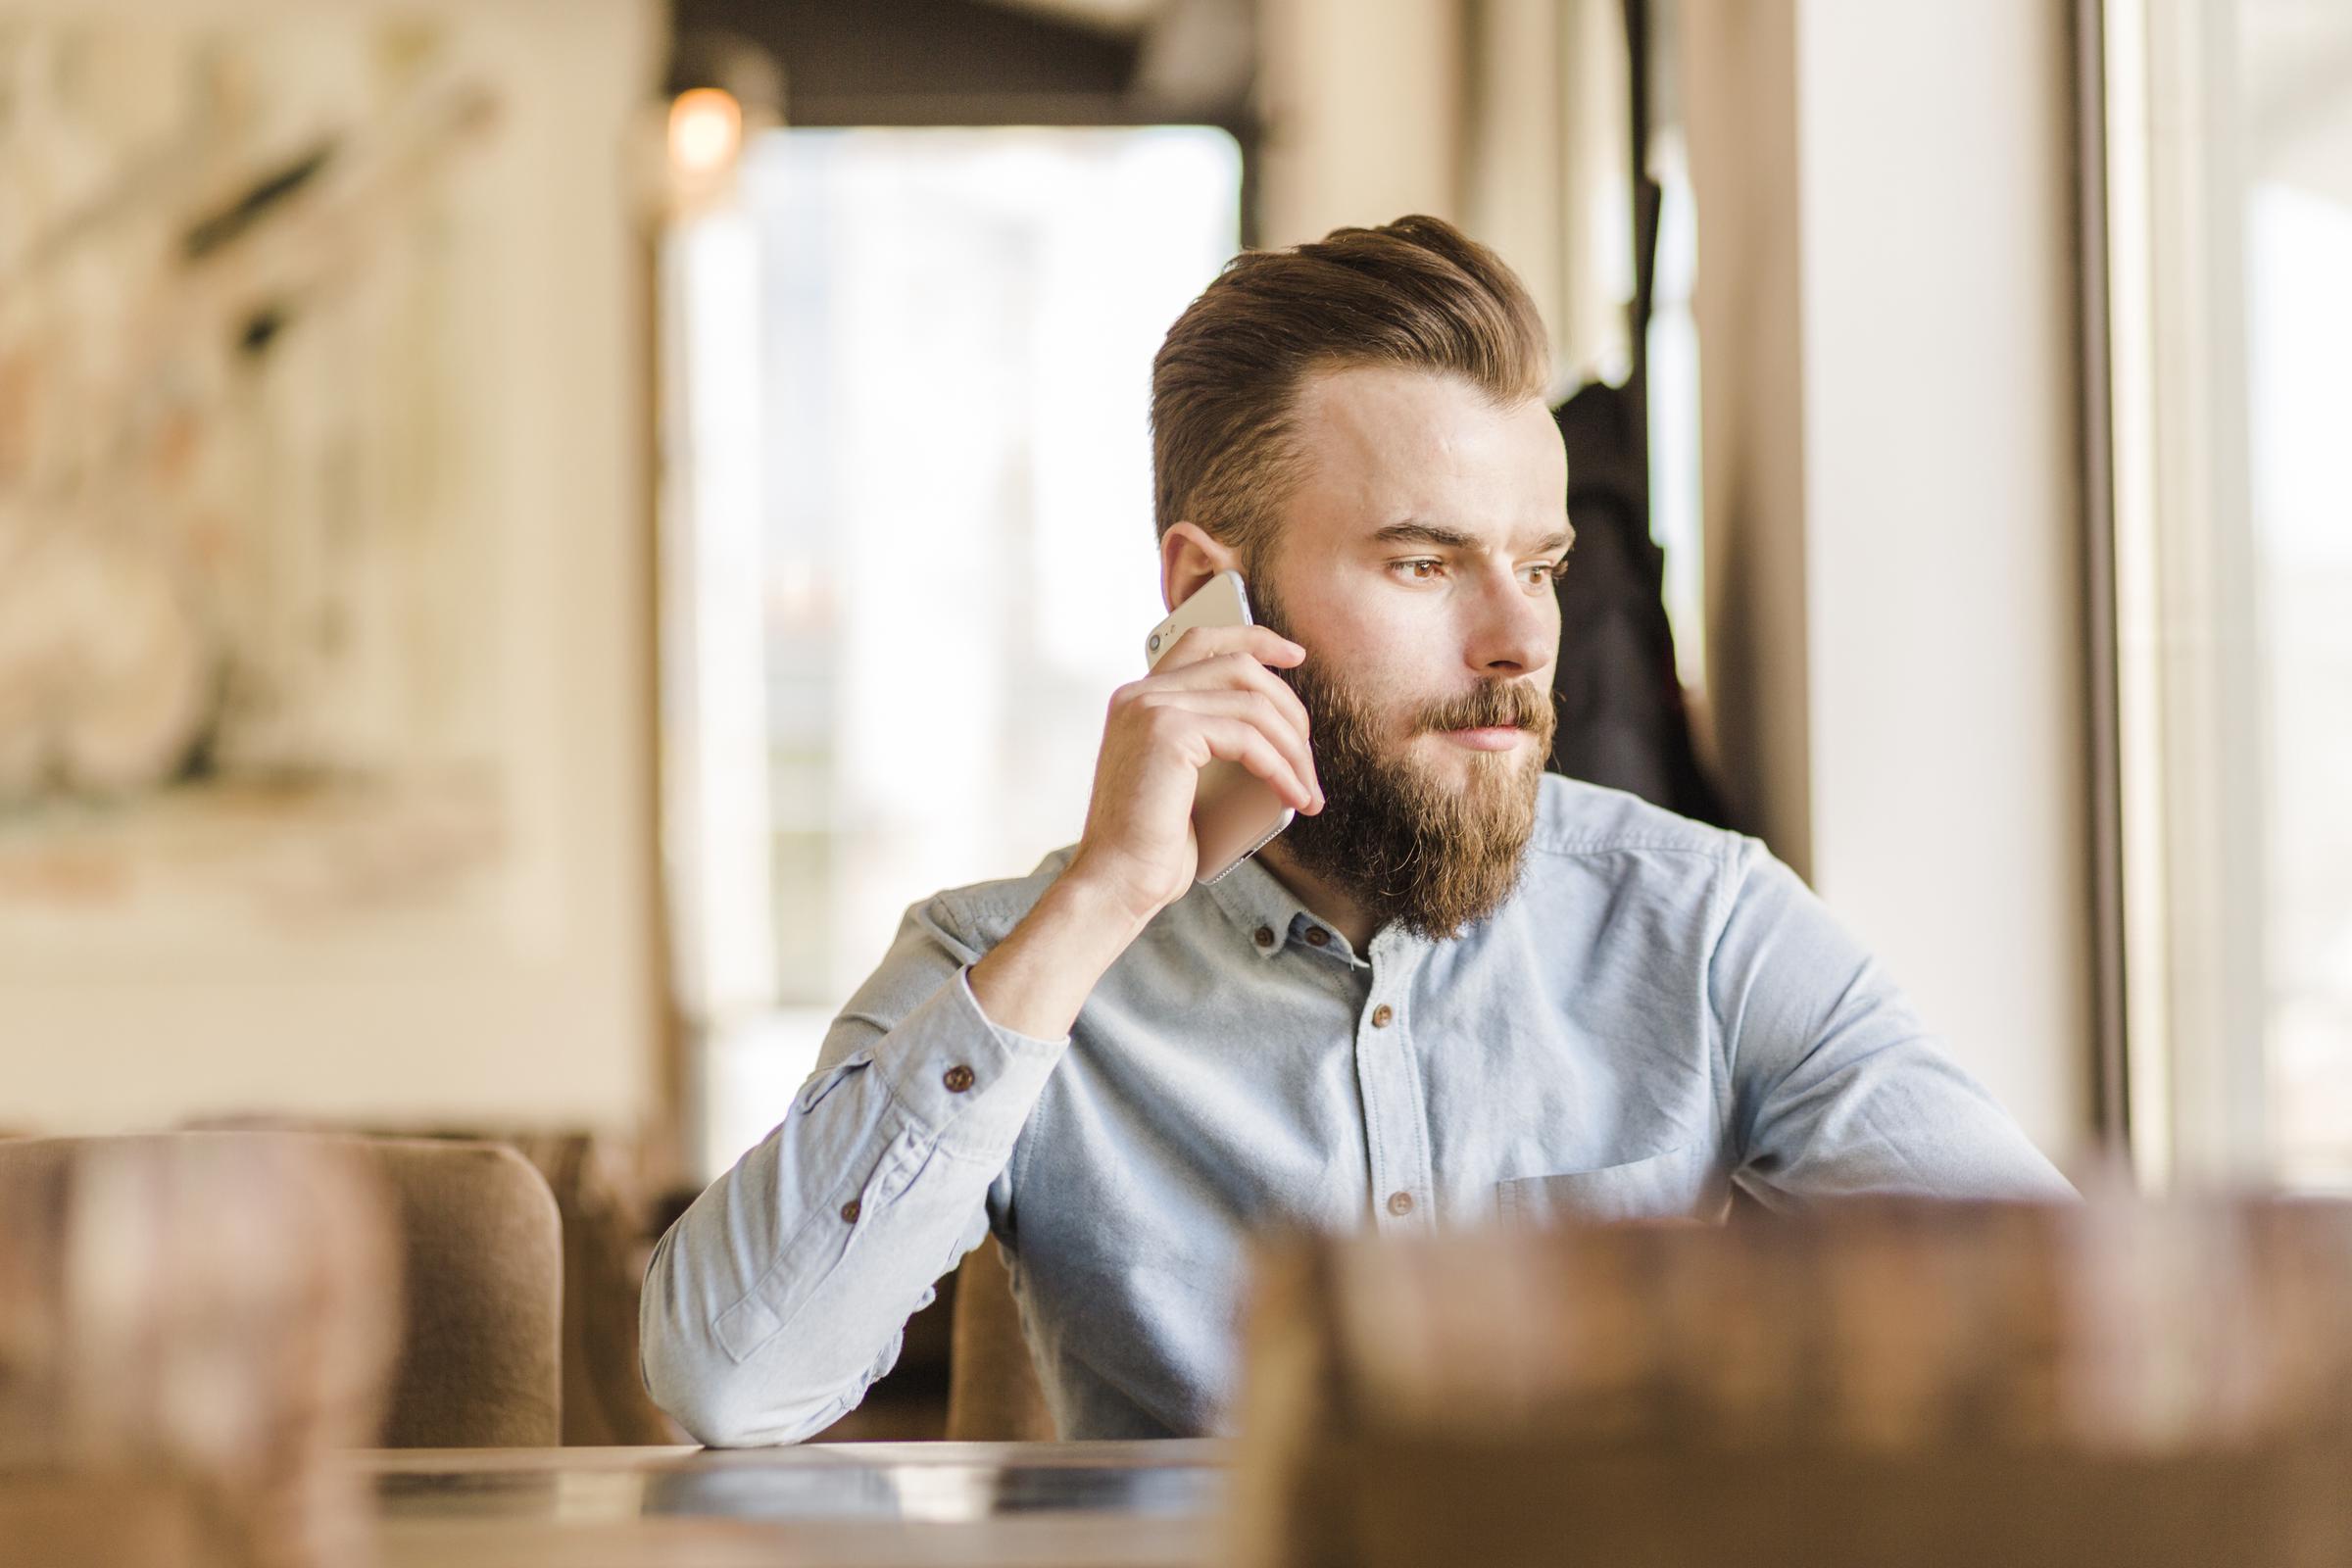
(1839, 1088)
(783, 1292)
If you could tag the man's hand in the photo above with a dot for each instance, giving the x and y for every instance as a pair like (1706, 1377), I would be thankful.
(1210, 698)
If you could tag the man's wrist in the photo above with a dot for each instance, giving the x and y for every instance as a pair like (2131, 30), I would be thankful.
(1034, 981)
(1100, 890)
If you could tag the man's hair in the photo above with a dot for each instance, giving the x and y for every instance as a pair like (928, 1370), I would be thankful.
(1416, 294)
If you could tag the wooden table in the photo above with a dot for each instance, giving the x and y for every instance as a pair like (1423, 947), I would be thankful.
(916, 1505)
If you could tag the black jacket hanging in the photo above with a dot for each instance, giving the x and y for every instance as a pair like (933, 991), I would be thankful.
(1622, 718)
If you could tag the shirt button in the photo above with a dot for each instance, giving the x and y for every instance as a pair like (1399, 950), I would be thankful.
(1379, 1020)
(1316, 936)
(957, 1078)
(850, 1210)
(1400, 1204)
(1265, 936)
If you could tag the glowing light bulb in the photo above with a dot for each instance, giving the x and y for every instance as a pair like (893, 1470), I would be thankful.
(705, 131)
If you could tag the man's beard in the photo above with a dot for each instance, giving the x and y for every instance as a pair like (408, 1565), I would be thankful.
(1403, 845)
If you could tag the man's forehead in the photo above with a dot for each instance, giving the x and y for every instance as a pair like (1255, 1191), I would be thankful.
(1379, 445)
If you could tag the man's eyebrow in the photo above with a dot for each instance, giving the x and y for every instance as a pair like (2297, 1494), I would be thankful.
(1424, 533)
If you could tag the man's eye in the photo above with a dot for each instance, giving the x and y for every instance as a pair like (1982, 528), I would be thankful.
(1419, 570)
(1545, 572)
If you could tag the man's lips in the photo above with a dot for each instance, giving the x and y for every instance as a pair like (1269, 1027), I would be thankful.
(1491, 738)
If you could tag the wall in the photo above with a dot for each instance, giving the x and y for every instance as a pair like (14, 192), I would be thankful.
(1506, 116)
(1363, 105)
(537, 1002)
(1889, 356)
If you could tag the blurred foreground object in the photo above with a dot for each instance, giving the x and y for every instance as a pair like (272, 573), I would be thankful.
(474, 1303)
(1927, 1384)
(597, 1184)
(189, 1327)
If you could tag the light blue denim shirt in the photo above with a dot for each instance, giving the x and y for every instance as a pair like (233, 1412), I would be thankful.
(1659, 1010)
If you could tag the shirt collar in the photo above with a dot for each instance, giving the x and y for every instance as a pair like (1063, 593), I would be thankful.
(1255, 900)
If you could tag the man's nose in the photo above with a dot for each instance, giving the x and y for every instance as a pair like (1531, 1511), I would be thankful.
(1516, 630)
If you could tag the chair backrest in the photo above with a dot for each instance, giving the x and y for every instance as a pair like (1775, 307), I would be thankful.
(1937, 1384)
(595, 1188)
(478, 1362)
(189, 1329)
(993, 1392)
(605, 1399)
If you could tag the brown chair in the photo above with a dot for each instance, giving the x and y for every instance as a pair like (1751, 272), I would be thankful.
(1940, 1385)
(605, 1243)
(605, 1248)
(189, 1330)
(992, 1391)
(479, 1356)
(481, 1345)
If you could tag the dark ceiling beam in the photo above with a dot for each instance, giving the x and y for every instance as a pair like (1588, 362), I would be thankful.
(917, 61)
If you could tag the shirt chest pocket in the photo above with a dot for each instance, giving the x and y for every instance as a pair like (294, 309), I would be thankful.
(1681, 1183)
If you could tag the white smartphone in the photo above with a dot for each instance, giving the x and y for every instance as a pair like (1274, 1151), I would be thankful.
(1235, 812)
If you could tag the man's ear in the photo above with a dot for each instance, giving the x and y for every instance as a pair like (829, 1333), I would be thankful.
(1189, 555)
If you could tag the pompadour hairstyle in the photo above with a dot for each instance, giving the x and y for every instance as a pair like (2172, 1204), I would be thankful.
(1416, 294)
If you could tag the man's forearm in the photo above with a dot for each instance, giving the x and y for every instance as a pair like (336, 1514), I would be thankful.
(780, 1295)
(1034, 981)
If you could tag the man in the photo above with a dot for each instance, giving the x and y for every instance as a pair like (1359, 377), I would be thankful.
(1455, 990)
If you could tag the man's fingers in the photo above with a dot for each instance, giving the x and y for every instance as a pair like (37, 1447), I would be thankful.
(1237, 740)
(1233, 671)
(1199, 643)
(1256, 710)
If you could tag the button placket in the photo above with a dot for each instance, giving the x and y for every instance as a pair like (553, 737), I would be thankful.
(1396, 1136)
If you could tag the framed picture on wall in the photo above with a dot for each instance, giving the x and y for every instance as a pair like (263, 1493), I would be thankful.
(323, 505)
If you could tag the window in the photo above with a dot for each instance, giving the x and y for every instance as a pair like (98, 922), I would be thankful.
(907, 525)
(2228, 131)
